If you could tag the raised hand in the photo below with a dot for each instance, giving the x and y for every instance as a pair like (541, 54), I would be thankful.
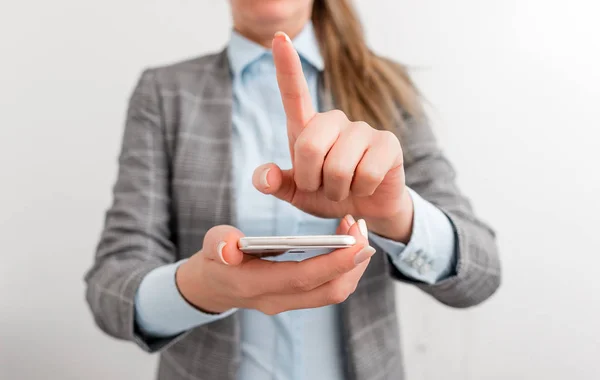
(339, 167)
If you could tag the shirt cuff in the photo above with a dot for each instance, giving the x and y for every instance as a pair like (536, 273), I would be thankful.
(430, 255)
(161, 311)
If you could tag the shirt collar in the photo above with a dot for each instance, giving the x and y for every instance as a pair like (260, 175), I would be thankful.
(242, 51)
(308, 47)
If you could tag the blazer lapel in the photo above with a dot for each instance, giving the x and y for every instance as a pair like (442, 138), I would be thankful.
(203, 162)
(205, 159)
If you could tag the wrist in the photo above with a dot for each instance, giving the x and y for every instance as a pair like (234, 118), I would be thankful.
(193, 291)
(397, 227)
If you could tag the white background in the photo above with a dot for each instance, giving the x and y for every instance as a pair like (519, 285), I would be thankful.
(515, 93)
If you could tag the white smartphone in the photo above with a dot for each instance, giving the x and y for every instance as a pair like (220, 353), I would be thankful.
(274, 245)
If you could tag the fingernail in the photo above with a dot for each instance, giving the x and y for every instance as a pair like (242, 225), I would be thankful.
(362, 226)
(264, 182)
(220, 247)
(350, 220)
(364, 255)
(287, 38)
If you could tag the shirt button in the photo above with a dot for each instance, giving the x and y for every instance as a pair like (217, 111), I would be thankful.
(410, 257)
(418, 263)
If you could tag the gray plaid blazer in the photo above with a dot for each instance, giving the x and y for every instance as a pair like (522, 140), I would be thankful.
(174, 183)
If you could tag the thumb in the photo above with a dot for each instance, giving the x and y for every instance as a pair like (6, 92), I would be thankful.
(221, 245)
(270, 179)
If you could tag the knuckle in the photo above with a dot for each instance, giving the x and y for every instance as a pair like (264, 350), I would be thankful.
(220, 233)
(369, 176)
(340, 268)
(389, 136)
(361, 126)
(307, 186)
(339, 174)
(338, 114)
(268, 308)
(307, 148)
(230, 234)
(363, 190)
(271, 312)
(244, 292)
(335, 195)
(361, 132)
(337, 184)
(213, 232)
(352, 287)
(300, 284)
(338, 294)
(391, 140)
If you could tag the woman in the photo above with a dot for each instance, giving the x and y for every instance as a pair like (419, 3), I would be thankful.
(281, 137)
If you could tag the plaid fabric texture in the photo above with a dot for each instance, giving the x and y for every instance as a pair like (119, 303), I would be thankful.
(174, 183)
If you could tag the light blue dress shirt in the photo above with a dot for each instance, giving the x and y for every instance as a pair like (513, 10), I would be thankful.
(299, 344)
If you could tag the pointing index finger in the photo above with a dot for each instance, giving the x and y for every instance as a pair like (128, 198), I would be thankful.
(292, 86)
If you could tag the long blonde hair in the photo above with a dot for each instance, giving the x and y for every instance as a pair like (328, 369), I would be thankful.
(365, 86)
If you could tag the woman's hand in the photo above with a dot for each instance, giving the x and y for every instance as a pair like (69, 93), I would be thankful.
(220, 277)
(339, 167)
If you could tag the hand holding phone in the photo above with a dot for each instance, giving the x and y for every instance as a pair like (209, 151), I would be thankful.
(221, 277)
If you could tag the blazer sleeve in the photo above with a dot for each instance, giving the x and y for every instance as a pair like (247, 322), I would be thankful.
(136, 237)
(429, 173)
